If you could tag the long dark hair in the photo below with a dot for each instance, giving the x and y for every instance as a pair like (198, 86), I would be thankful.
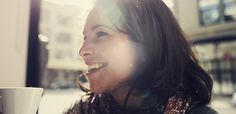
(170, 64)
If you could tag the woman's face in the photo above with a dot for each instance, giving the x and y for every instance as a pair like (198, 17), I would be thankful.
(109, 53)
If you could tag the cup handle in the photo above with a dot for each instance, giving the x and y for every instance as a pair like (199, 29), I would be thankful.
(1, 105)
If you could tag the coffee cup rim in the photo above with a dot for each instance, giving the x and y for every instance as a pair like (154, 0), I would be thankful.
(2, 88)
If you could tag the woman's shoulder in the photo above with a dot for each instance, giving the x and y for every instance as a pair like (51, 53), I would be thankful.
(204, 109)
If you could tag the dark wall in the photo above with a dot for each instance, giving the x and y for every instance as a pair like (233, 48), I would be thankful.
(33, 77)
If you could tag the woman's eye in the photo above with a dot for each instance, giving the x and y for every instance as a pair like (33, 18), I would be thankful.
(100, 34)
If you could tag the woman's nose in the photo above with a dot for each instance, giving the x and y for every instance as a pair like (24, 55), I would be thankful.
(85, 50)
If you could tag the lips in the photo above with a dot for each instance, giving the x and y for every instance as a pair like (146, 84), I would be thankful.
(93, 68)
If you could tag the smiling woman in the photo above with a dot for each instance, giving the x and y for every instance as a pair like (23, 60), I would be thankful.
(139, 61)
(104, 46)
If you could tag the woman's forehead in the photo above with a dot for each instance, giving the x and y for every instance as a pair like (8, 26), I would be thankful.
(110, 10)
(109, 15)
(106, 2)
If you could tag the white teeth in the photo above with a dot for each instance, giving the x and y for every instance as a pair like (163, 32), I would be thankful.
(95, 66)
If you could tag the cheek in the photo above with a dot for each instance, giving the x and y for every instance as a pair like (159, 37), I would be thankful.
(121, 60)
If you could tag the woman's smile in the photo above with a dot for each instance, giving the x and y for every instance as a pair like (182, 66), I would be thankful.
(93, 69)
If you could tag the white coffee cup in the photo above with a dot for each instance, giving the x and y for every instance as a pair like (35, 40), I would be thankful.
(20, 100)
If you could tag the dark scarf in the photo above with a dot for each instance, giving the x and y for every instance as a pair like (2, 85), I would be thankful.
(105, 104)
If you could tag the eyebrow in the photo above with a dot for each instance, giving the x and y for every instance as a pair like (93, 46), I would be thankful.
(97, 26)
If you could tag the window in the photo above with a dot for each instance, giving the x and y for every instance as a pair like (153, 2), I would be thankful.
(209, 12)
(230, 10)
(216, 11)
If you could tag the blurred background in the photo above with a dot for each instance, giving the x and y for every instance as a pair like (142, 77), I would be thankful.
(40, 40)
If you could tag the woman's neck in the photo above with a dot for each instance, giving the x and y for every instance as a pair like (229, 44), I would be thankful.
(134, 100)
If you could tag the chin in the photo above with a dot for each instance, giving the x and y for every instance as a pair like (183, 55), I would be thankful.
(96, 90)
